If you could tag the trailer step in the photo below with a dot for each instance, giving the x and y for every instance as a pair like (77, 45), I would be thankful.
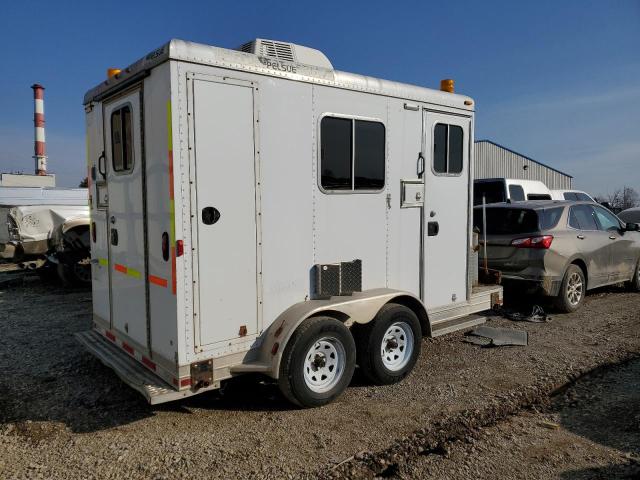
(449, 326)
(130, 371)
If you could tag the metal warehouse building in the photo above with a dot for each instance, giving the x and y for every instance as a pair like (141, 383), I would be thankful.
(495, 161)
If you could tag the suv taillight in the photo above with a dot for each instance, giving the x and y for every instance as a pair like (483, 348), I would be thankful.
(543, 241)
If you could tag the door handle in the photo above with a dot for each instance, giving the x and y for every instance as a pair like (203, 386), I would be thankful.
(102, 167)
(114, 236)
(581, 237)
(433, 228)
(420, 165)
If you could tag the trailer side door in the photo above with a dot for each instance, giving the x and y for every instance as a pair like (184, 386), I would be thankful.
(226, 236)
(446, 208)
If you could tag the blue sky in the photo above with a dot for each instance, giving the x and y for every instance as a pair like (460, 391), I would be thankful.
(558, 81)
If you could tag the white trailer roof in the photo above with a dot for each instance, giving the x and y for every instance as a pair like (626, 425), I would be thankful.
(19, 196)
(264, 65)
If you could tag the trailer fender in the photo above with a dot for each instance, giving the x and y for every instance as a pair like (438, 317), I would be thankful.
(361, 308)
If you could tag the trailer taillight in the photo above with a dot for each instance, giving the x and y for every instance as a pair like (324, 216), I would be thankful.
(179, 248)
(543, 241)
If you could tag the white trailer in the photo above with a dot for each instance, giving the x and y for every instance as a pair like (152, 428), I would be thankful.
(255, 210)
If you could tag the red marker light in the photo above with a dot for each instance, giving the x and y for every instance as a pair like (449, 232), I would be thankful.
(179, 248)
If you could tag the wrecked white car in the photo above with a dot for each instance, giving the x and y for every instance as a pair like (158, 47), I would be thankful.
(48, 224)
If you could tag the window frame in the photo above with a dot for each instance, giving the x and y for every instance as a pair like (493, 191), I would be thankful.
(353, 190)
(118, 108)
(433, 149)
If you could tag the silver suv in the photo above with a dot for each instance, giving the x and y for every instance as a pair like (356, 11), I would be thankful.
(561, 248)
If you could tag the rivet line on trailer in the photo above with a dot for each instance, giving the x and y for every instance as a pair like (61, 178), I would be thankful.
(172, 208)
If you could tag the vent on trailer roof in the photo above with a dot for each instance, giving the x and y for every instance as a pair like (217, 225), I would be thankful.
(286, 52)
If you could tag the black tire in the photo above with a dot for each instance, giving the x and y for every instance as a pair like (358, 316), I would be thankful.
(391, 367)
(569, 299)
(633, 285)
(297, 356)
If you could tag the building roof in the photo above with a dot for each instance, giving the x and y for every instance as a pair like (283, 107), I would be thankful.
(238, 60)
(524, 156)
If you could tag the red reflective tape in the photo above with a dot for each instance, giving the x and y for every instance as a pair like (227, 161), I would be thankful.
(120, 268)
(110, 336)
(161, 282)
(128, 348)
(185, 382)
(148, 363)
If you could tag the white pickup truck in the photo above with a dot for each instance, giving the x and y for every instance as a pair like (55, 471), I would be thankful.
(47, 223)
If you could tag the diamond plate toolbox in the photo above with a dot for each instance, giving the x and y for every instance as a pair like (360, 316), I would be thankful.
(332, 279)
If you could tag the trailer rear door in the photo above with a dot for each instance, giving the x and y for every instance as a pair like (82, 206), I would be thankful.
(226, 255)
(124, 166)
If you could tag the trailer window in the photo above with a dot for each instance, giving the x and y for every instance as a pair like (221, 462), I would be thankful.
(352, 154)
(448, 141)
(516, 193)
(121, 140)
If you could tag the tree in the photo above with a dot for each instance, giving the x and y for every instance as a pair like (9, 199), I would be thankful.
(84, 183)
(621, 199)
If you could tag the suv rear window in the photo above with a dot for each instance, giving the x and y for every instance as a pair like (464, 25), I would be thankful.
(507, 221)
(492, 191)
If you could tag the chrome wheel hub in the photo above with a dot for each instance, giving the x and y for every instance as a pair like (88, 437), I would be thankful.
(397, 346)
(574, 289)
(324, 364)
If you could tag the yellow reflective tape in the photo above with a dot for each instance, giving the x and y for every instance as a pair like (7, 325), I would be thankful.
(172, 216)
(133, 273)
(103, 261)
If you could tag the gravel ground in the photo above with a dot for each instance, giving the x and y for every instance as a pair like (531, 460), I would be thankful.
(64, 415)
(591, 430)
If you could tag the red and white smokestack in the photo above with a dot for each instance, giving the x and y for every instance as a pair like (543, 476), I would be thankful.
(38, 123)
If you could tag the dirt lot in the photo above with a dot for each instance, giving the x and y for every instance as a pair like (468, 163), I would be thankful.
(464, 412)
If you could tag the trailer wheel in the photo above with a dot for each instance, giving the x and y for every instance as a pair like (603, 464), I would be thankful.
(388, 347)
(317, 363)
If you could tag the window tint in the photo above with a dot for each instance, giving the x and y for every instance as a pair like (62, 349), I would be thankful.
(455, 148)
(573, 219)
(606, 220)
(370, 150)
(121, 140)
(516, 193)
(448, 144)
(335, 153)
(549, 217)
(493, 192)
(538, 196)
(352, 146)
(583, 218)
(507, 221)
(570, 196)
(440, 148)
(583, 197)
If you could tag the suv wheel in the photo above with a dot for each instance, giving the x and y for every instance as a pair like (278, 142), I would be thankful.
(633, 285)
(572, 290)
